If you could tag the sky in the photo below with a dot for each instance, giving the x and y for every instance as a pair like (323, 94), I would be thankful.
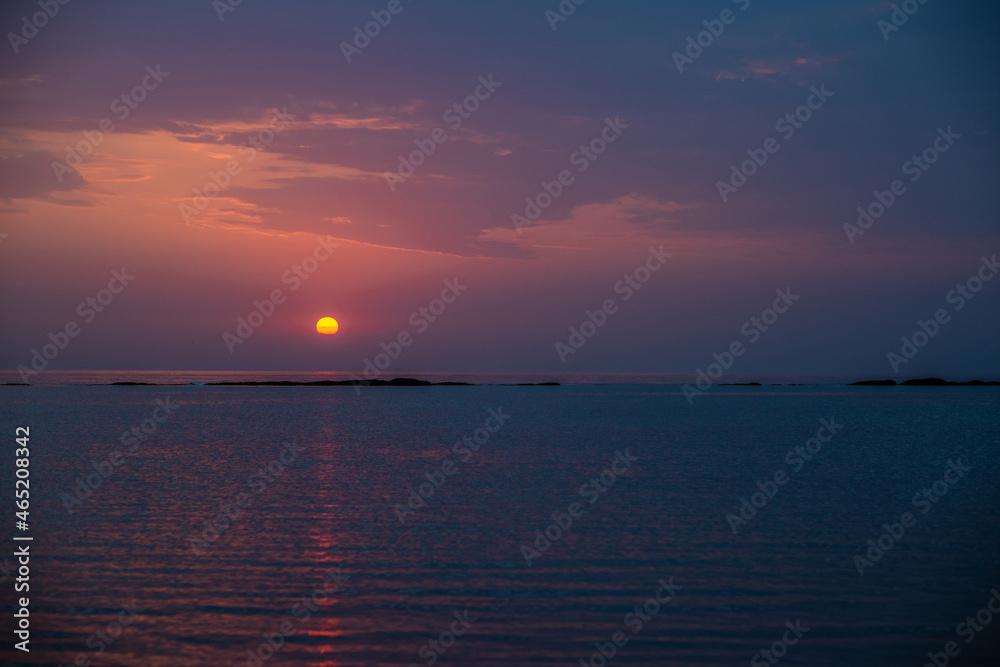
(356, 189)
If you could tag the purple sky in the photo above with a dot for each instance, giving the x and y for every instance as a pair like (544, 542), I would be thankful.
(183, 95)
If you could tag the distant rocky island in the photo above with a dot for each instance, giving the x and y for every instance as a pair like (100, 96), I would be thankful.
(396, 382)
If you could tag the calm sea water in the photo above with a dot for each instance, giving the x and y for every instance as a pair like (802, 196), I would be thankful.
(322, 527)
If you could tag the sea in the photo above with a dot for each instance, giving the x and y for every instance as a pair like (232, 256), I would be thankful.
(609, 520)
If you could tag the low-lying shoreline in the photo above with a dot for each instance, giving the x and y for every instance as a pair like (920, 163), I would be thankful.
(413, 382)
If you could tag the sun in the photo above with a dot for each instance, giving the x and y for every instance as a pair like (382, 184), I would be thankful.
(327, 326)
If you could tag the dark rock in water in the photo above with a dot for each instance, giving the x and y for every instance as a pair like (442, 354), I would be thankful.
(873, 383)
(395, 382)
(16, 384)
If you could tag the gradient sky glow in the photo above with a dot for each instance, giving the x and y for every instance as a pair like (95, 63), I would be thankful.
(323, 176)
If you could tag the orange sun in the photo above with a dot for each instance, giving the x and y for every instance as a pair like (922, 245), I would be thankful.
(327, 326)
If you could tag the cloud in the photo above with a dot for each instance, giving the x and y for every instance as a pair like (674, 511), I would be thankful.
(354, 121)
(30, 176)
